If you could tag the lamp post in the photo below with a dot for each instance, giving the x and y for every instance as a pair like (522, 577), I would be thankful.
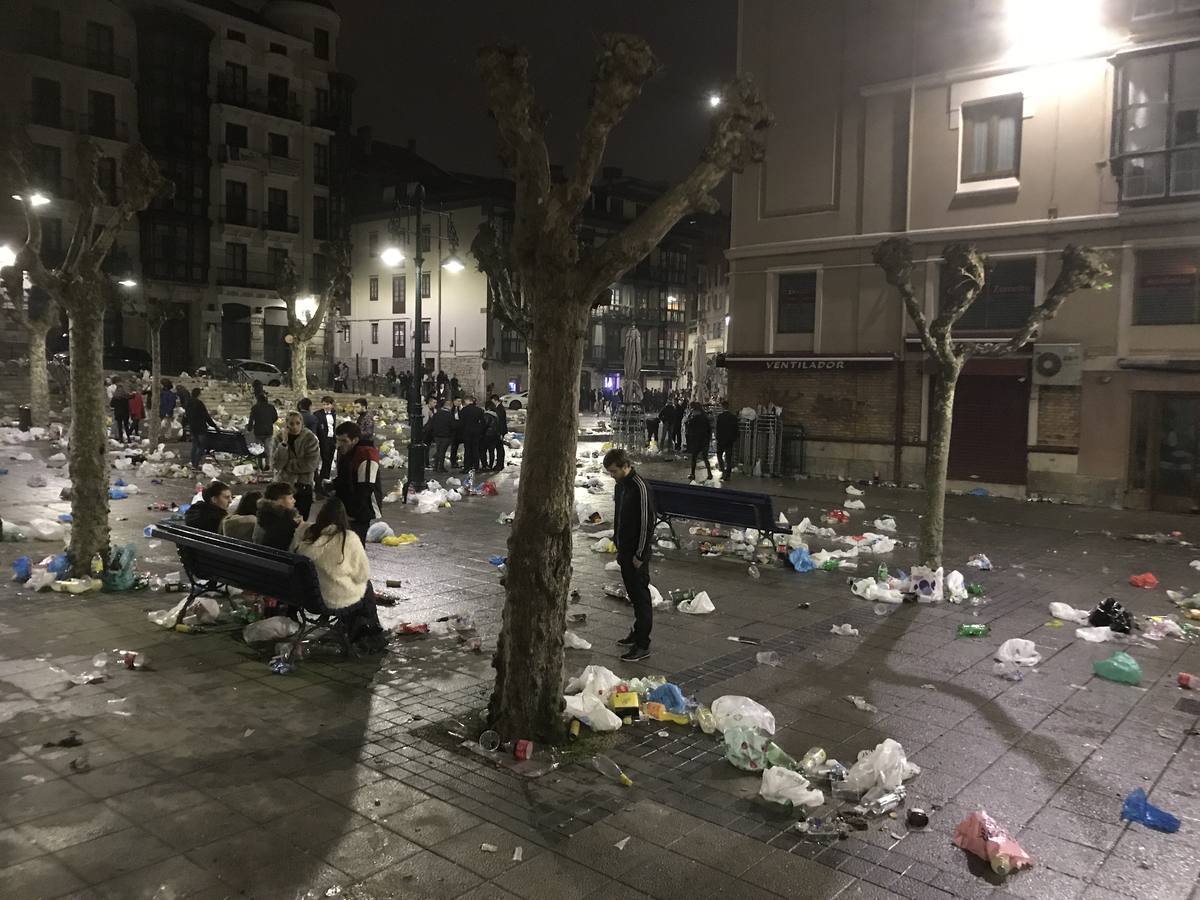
(418, 451)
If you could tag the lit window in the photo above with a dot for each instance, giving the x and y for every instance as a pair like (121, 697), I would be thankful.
(1165, 288)
(991, 138)
(1157, 152)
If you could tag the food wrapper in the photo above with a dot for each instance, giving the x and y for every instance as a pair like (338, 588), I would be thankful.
(982, 835)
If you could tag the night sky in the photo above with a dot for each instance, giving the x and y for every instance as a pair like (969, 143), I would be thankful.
(415, 67)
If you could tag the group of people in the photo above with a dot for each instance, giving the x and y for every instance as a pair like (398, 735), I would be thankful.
(460, 423)
(128, 409)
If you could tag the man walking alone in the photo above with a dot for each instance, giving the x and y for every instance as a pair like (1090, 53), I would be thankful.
(633, 533)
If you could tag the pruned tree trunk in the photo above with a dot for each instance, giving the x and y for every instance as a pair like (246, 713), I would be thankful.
(300, 365)
(39, 374)
(88, 453)
(155, 384)
(937, 460)
(527, 698)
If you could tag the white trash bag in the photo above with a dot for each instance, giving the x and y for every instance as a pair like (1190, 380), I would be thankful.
(854, 504)
(1020, 651)
(572, 641)
(47, 530)
(656, 597)
(732, 710)
(1096, 635)
(886, 523)
(275, 628)
(595, 680)
(1068, 613)
(783, 786)
(886, 766)
(591, 711)
(378, 531)
(955, 587)
(699, 605)
(927, 583)
(612, 566)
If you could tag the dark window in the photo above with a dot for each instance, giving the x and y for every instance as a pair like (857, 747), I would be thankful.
(320, 206)
(47, 103)
(399, 340)
(991, 138)
(320, 43)
(424, 285)
(236, 212)
(277, 95)
(277, 258)
(320, 267)
(797, 303)
(1007, 298)
(273, 47)
(99, 46)
(102, 114)
(277, 203)
(426, 239)
(233, 83)
(373, 243)
(235, 258)
(236, 135)
(1157, 152)
(235, 35)
(106, 174)
(373, 288)
(321, 163)
(45, 31)
(277, 144)
(399, 290)
(425, 331)
(47, 167)
(374, 332)
(1165, 290)
(512, 345)
(52, 240)
(322, 100)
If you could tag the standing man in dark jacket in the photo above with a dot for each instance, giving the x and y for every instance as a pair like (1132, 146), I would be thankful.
(502, 426)
(727, 435)
(455, 408)
(262, 425)
(699, 436)
(306, 414)
(326, 425)
(473, 427)
(633, 533)
(439, 432)
(357, 482)
(365, 419)
(199, 421)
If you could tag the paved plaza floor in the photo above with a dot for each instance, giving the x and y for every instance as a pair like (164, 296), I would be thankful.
(208, 776)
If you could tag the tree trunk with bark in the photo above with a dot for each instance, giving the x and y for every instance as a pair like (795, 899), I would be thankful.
(937, 460)
(527, 698)
(300, 364)
(39, 374)
(88, 451)
(152, 416)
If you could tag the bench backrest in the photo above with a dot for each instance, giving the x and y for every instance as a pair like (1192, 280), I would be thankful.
(251, 567)
(745, 509)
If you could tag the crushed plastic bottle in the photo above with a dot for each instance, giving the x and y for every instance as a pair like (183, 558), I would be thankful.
(974, 630)
(812, 760)
(769, 658)
(753, 572)
(704, 717)
(1007, 670)
(610, 769)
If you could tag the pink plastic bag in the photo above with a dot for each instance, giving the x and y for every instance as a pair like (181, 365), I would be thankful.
(1145, 580)
(982, 835)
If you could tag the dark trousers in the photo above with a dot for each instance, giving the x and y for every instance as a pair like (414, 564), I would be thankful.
(122, 424)
(199, 445)
(497, 455)
(327, 448)
(455, 443)
(723, 461)
(470, 451)
(360, 528)
(673, 434)
(304, 498)
(699, 454)
(637, 586)
(439, 454)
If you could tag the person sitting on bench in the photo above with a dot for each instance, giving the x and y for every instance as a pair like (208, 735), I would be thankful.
(240, 523)
(212, 508)
(277, 517)
(344, 574)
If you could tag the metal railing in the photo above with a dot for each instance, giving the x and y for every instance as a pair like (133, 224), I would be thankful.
(244, 155)
(238, 215)
(280, 221)
(284, 165)
(235, 277)
(285, 107)
(50, 116)
(104, 127)
(80, 55)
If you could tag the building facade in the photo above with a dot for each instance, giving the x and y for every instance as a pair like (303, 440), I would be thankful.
(1018, 126)
(244, 111)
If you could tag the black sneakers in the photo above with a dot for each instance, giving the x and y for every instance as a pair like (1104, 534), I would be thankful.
(627, 641)
(636, 654)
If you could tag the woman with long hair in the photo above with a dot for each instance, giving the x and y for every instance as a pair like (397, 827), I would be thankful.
(343, 573)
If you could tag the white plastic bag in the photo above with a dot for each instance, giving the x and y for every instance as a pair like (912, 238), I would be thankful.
(378, 531)
(591, 711)
(732, 710)
(276, 628)
(927, 583)
(783, 786)
(243, 470)
(870, 589)
(955, 587)
(612, 566)
(699, 605)
(1020, 651)
(210, 470)
(886, 523)
(854, 504)
(47, 530)
(656, 597)
(572, 641)
(1095, 635)
(604, 545)
(595, 680)
(40, 580)
(1068, 613)
(886, 766)
(846, 630)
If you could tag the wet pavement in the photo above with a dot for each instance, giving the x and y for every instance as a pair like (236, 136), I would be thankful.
(208, 776)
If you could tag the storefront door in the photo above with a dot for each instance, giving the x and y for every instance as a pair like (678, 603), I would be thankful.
(988, 439)
(1167, 449)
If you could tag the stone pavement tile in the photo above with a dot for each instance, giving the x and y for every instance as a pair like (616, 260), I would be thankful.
(653, 822)
(264, 868)
(1061, 856)
(37, 800)
(330, 781)
(267, 800)
(423, 875)
(1166, 879)
(358, 853)
(380, 799)
(430, 822)
(596, 846)
(98, 753)
(156, 799)
(1080, 829)
(716, 847)
(790, 875)
(43, 878)
(15, 847)
(72, 826)
(295, 826)
(175, 877)
(492, 892)
(1103, 807)
(119, 777)
(670, 876)
(195, 826)
(549, 876)
(463, 848)
(1041, 883)
(112, 855)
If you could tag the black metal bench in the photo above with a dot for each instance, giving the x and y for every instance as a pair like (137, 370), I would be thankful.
(743, 509)
(233, 442)
(213, 562)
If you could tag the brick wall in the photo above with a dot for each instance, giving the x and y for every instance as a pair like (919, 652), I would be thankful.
(838, 406)
(1058, 416)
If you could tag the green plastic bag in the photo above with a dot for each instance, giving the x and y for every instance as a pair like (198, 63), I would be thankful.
(119, 575)
(1119, 667)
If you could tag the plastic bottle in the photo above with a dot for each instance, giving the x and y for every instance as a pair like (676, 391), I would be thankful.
(882, 575)
(1001, 864)
(973, 630)
(813, 759)
(705, 719)
(753, 572)
(97, 564)
(470, 485)
(777, 756)
(610, 769)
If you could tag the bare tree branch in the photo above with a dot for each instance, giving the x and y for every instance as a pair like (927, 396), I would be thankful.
(493, 259)
(1082, 269)
(88, 198)
(737, 139)
(623, 66)
(141, 182)
(288, 288)
(971, 270)
(895, 257)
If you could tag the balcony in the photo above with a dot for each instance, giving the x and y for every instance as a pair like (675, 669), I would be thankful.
(165, 269)
(281, 221)
(284, 107)
(325, 118)
(104, 127)
(79, 55)
(239, 215)
(248, 278)
(641, 316)
(50, 116)
(234, 94)
(284, 165)
(241, 156)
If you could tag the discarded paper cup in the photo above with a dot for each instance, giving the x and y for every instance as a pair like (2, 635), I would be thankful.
(523, 749)
(1187, 681)
(489, 741)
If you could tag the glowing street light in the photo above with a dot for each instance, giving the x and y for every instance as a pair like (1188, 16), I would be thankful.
(306, 307)
(8, 256)
(453, 264)
(714, 100)
(392, 256)
(37, 198)
(127, 283)
(1040, 32)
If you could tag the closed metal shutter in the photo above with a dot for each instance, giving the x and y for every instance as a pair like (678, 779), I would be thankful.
(988, 439)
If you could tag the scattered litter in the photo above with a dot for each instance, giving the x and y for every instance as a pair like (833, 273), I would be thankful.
(1120, 667)
(917, 818)
(886, 523)
(980, 561)
(732, 711)
(488, 848)
(1019, 651)
(621, 844)
(71, 740)
(274, 628)
(700, 604)
(769, 658)
(399, 540)
(853, 491)
(1146, 581)
(742, 639)
(801, 560)
(604, 545)
(1112, 614)
(572, 641)
(970, 630)
(861, 703)
(1195, 564)
(1137, 808)
(1095, 635)
(378, 531)
(884, 767)
(846, 630)
(610, 769)
(518, 854)
(869, 589)
(1186, 681)
(780, 785)
(929, 687)
(855, 504)
(247, 732)
(983, 836)
(1068, 613)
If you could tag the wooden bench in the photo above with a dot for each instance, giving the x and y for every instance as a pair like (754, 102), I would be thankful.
(213, 562)
(742, 509)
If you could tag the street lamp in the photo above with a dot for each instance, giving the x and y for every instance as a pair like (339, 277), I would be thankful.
(392, 256)
(8, 256)
(37, 198)
(453, 264)
(127, 283)
(714, 100)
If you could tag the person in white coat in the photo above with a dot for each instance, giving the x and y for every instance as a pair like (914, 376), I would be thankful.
(343, 573)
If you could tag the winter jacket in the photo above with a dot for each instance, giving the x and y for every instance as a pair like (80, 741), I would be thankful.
(342, 569)
(167, 401)
(441, 425)
(137, 406)
(198, 418)
(491, 424)
(727, 429)
(274, 524)
(205, 516)
(120, 402)
(239, 527)
(297, 457)
(310, 421)
(357, 482)
(262, 418)
(502, 419)
(471, 417)
(366, 424)
(633, 517)
(699, 432)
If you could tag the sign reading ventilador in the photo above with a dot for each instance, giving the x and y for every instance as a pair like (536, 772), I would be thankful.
(809, 363)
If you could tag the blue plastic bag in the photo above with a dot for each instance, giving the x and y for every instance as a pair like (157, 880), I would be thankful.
(670, 696)
(801, 561)
(120, 482)
(22, 569)
(60, 566)
(65, 518)
(1138, 809)
(498, 561)
(116, 494)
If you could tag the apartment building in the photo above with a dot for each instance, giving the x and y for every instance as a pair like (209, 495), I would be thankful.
(242, 108)
(1021, 127)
